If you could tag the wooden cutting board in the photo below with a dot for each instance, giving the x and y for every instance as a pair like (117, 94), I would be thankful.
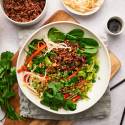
(58, 16)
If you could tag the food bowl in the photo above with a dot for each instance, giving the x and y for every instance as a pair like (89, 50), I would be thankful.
(32, 22)
(103, 75)
(90, 12)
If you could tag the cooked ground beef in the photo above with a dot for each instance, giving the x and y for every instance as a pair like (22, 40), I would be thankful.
(23, 10)
(66, 60)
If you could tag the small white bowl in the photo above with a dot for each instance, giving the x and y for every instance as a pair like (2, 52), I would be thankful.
(32, 22)
(94, 10)
(122, 23)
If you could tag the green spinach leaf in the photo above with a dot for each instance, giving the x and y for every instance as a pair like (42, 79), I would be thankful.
(91, 45)
(55, 35)
(91, 50)
(88, 43)
(75, 34)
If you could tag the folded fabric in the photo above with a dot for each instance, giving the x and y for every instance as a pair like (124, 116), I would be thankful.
(100, 110)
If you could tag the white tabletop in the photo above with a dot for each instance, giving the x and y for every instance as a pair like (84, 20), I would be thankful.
(96, 22)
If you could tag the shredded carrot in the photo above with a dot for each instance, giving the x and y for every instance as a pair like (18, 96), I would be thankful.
(23, 68)
(73, 75)
(36, 53)
(81, 82)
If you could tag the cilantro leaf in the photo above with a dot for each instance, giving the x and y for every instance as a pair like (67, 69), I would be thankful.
(55, 87)
(7, 80)
(54, 99)
(69, 105)
(6, 55)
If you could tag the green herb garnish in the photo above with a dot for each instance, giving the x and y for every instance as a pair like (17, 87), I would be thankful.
(7, 80)
(54, 98)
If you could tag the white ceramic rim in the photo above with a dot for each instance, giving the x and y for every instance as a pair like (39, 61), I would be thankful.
(25, 23)
(105, 49)
(80, 13)
(119, 19)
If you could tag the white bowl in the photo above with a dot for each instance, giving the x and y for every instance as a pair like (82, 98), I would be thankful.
(32, 22)
(80, 13)
(99, 87)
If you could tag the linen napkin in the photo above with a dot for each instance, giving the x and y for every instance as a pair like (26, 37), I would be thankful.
(100, 110)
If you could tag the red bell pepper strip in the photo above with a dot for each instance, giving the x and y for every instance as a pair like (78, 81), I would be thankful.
(66, 95)
(22, 69)
(76, 98)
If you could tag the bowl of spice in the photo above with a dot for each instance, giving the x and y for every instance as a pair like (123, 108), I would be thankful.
(24, 12)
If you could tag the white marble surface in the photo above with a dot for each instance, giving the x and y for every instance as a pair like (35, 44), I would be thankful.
(9, 41)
